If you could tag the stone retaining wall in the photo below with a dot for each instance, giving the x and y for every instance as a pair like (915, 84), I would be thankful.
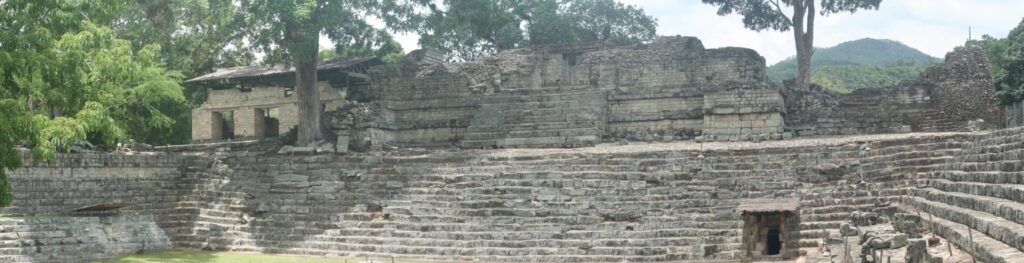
(655, 202)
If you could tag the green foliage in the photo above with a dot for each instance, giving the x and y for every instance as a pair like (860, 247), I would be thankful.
(390, 52)
(288, 31)
(104, 89)
(995, 48)
(848, 78)
(469, 29)
(196, 37)
(760, 15)
(1010, 85)
(30, 70)
(15, 126)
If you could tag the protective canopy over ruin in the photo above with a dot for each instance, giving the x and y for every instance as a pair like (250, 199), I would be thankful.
(257, 102)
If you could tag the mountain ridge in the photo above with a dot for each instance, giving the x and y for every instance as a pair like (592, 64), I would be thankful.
(858, 64)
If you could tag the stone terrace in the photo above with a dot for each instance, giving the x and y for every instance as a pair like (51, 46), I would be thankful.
(636, 202)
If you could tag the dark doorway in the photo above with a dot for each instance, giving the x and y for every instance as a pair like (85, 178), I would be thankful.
(223, 125)
(271, 123)
(774, 243)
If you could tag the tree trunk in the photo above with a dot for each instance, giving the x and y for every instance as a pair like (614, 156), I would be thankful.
(803, 35)
(308, 93)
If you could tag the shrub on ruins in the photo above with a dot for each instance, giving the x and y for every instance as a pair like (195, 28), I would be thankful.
(761, 15)
(470, 29)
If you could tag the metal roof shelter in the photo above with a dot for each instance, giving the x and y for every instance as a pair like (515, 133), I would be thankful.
(767, 205)
(342, 71)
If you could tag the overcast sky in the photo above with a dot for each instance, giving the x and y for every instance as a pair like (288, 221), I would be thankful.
(932, 26)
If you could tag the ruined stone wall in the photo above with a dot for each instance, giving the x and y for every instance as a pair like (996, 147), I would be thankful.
(78, 239)
(248, 108)
(671, 88)
(943, 98)
(145, 182)
(1014, 114)
(41, 227)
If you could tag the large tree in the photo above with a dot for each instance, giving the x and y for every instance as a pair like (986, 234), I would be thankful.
(759, 15)
(469, 29)
(196, 37)
(65, 79)
(289, 32)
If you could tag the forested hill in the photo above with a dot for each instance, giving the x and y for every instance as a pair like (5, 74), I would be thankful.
(864, 63)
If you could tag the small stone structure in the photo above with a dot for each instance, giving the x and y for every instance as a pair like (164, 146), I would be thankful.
(771, 228)
(257, 102)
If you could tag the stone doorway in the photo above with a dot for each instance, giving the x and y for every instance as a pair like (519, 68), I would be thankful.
(222, 125)
(771, 229)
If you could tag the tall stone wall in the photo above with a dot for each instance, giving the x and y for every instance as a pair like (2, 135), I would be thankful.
(946, 97)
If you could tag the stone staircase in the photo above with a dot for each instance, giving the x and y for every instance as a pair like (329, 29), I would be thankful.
(538, 118)
(982, 189)
(537, 205)
(878, 174)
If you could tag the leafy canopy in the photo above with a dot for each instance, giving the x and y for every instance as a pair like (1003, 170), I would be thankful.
(760, 15)
(289, 31)
(64, 79)
(469, 29)
(1010, 85)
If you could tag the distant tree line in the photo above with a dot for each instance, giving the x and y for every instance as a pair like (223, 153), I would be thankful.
(1007, 58)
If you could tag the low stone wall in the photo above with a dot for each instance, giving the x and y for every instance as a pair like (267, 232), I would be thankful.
(78, 239)
(144, 182)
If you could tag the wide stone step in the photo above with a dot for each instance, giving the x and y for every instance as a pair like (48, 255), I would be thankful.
(1012, 192)
(994, 226)
(990, 177)
(505, 135)
(984, 247)
(1006, 209)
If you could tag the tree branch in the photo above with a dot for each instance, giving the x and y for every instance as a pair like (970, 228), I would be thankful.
(778, 9)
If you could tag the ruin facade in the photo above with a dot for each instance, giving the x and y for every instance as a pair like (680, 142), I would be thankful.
(555, 96)
(572, 96)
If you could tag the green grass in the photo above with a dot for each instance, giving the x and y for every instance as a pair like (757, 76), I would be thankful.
(231, 257)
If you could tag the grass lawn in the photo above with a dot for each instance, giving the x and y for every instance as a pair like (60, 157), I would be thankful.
(231, 257)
